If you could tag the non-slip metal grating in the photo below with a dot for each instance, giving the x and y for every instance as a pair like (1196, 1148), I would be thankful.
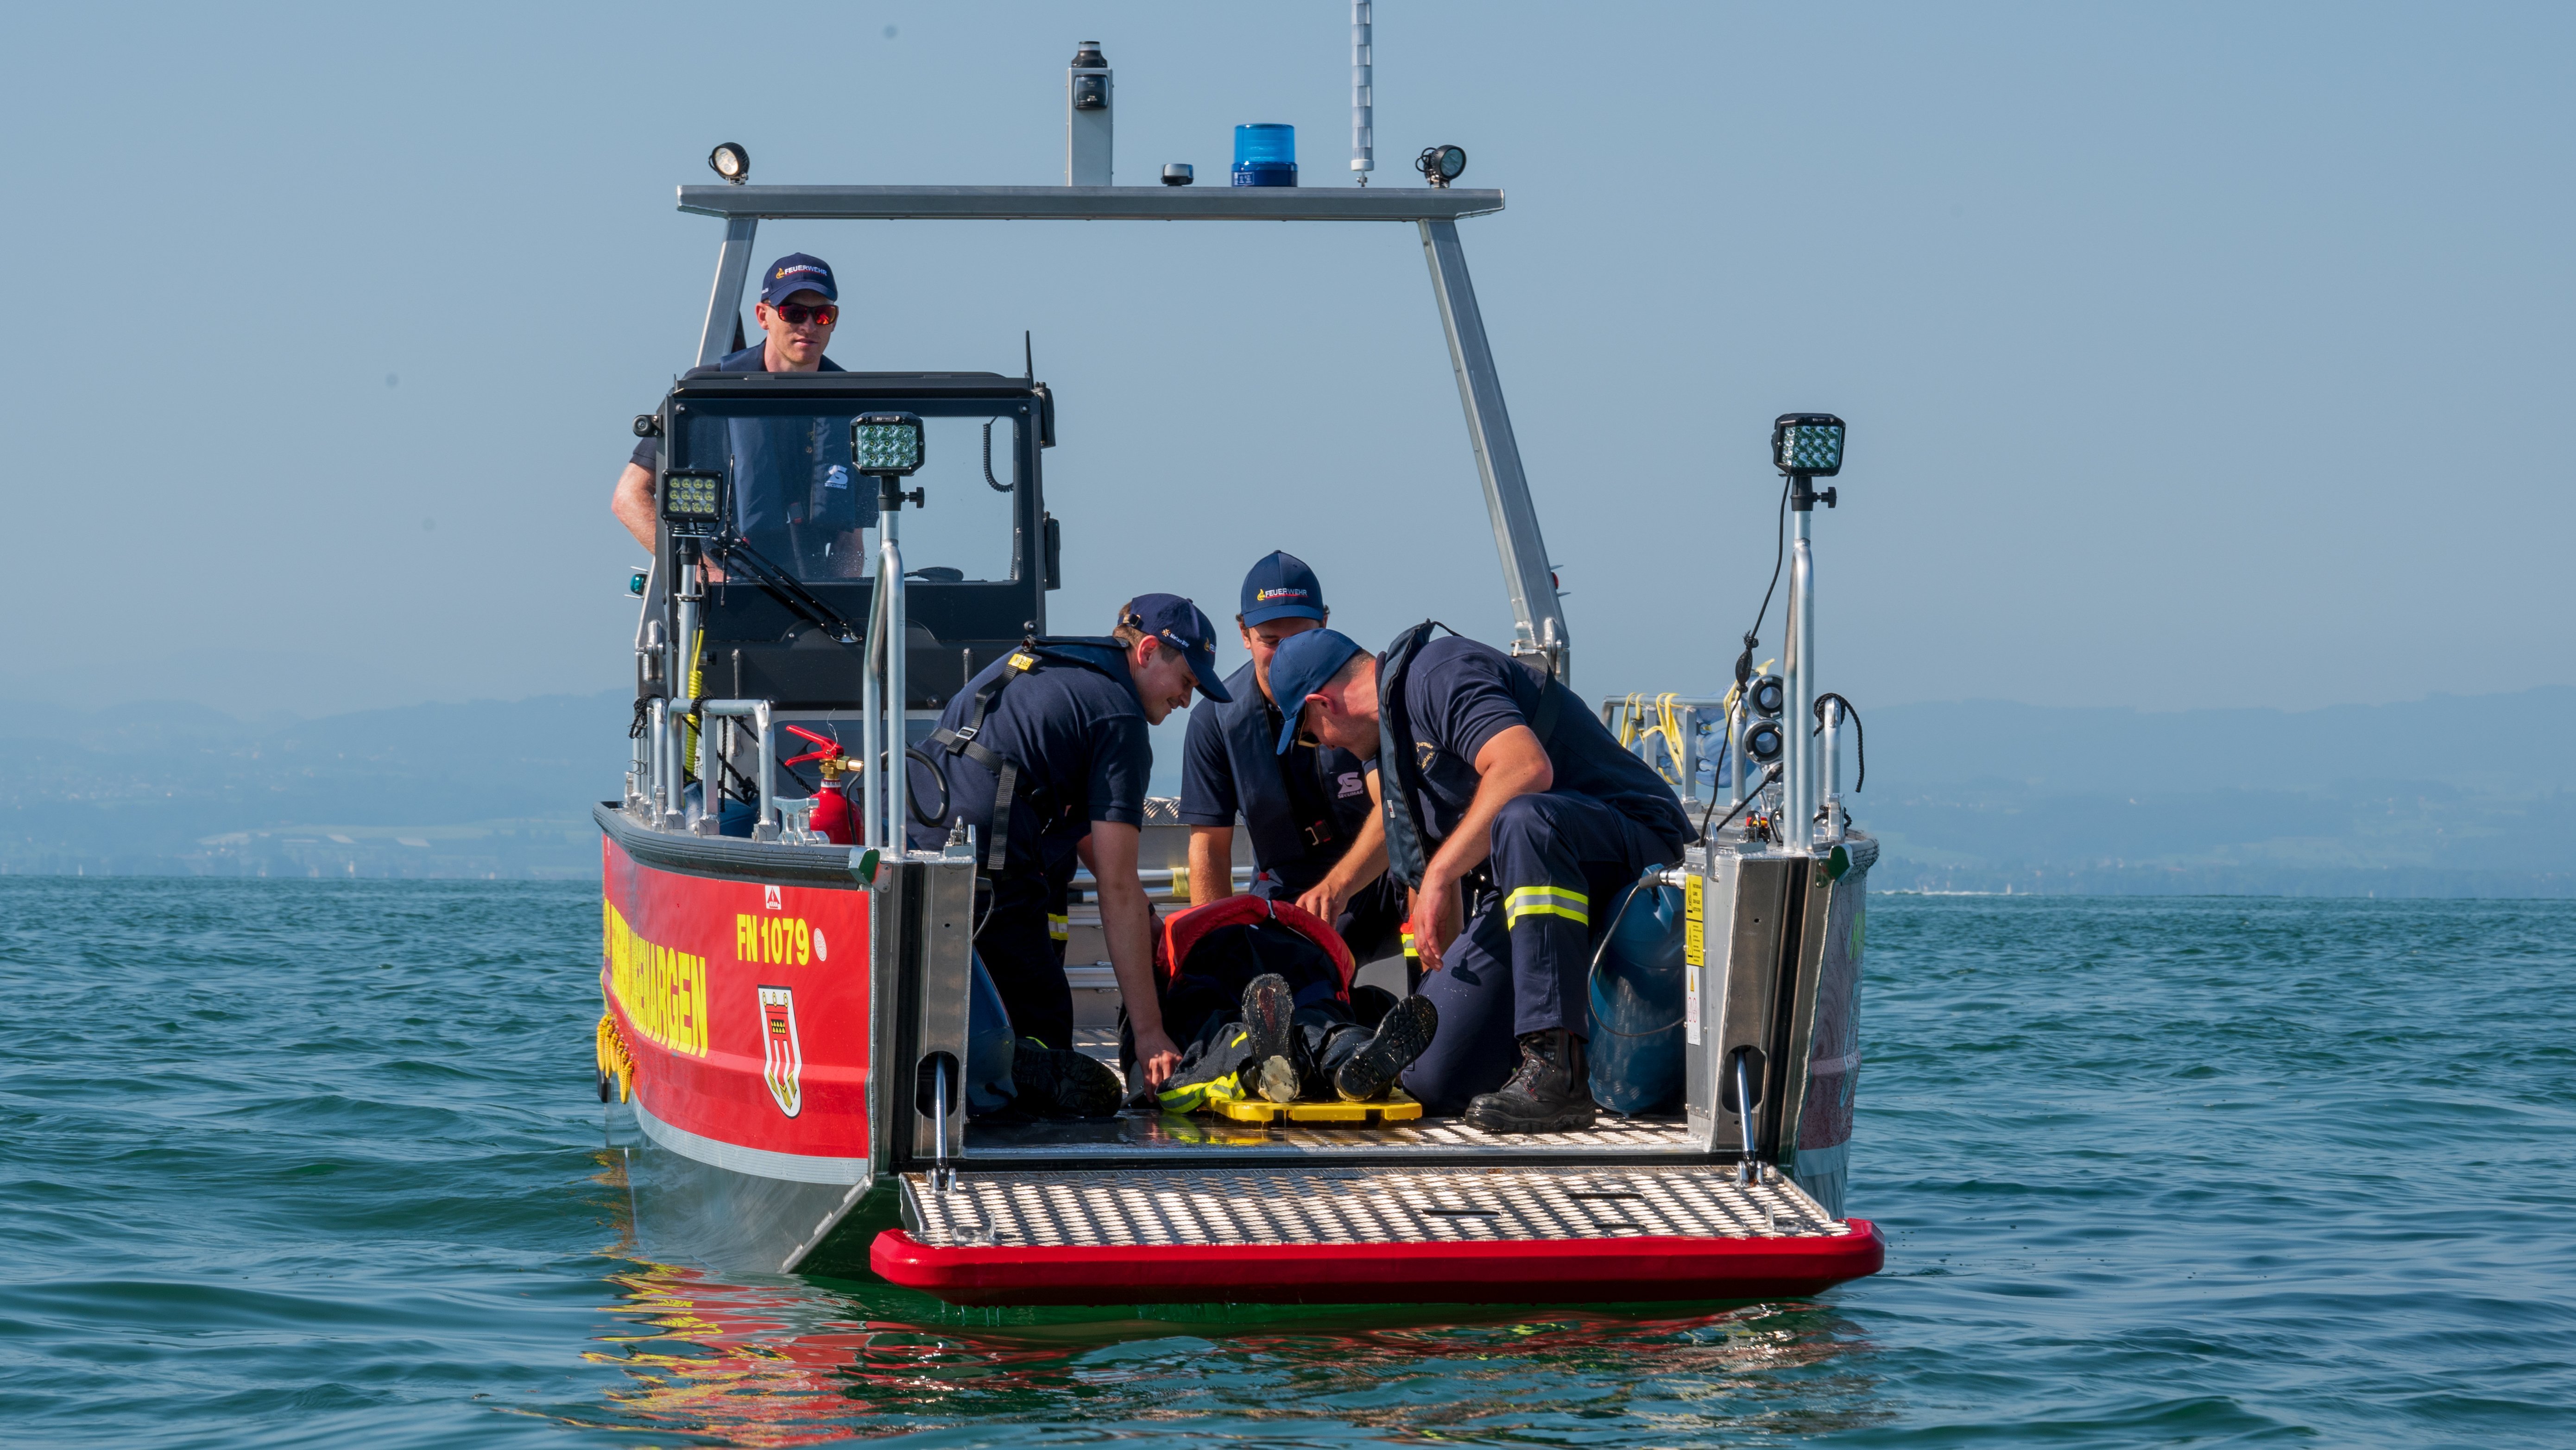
(1120, 1208)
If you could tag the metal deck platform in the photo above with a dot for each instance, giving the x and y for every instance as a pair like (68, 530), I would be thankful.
(1137, 1137)
(1529, 1234)
(1325, 1206)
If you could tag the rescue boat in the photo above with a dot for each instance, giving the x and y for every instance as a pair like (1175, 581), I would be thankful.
(785, 1017)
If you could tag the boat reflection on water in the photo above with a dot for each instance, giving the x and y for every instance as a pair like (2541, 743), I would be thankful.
(795, 1361)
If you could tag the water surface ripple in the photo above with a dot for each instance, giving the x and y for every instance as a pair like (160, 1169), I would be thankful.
(317, 1163)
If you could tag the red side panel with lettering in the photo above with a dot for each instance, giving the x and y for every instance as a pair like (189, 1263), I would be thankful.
(745, 1005)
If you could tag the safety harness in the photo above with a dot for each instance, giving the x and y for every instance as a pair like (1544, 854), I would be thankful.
(1400, 786)
(1099, 654)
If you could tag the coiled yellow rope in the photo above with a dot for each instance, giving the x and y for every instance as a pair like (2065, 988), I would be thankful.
(614, 1058)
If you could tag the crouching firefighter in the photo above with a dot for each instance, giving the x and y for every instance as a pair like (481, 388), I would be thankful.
(1045, 755)
(1483, 761)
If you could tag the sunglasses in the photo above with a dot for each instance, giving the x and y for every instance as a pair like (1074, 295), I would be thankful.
(798, 314)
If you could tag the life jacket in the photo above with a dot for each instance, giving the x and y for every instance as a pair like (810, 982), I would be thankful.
(1408, 843)
(1097, 653)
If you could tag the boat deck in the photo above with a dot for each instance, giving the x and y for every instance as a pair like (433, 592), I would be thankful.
(1323, 1206)
(1165, 1136)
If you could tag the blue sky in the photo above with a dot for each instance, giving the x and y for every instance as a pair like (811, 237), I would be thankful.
(2195, 355)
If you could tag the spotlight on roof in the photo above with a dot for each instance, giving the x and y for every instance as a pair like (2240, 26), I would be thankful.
(1441, 165)
(730, 162)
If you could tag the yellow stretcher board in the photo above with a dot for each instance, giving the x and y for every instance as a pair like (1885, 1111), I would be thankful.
(1395, 1107)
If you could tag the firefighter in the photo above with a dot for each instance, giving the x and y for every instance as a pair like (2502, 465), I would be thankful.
(1484, 761)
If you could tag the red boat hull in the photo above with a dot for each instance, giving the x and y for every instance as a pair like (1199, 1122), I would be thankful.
(1520, 1272)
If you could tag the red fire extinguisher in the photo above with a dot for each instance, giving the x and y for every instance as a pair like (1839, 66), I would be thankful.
(831, 819)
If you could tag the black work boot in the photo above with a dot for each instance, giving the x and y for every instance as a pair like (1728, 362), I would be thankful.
(1552, 1092)
(1402, 1034)
(1269, 1018)
(1058, 1082)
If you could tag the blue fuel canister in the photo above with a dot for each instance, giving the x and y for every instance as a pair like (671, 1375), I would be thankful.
(1636, 1046)
(1265, 155)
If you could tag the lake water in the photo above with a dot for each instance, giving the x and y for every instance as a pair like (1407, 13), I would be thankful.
(318, 1163)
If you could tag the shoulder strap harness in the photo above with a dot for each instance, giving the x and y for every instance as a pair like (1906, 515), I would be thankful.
(1400, 770)
(1034, 652)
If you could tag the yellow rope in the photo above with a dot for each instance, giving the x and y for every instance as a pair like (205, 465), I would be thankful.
(614, 1058)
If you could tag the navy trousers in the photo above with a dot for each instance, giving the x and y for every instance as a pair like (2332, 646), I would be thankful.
(1022, 946)
(1520, 964)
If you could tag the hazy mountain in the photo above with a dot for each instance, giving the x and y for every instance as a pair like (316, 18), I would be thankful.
(2443, 796)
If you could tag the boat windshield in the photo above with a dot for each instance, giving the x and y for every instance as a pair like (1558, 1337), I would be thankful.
(798, 501)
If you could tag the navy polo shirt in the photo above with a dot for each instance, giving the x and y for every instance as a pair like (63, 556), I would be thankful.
(1230, 764)
(1461, 694)
(796, 489)
(1080, 739)
(753, 359)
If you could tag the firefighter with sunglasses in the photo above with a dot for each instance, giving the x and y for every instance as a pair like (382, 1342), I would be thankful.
(798, 308)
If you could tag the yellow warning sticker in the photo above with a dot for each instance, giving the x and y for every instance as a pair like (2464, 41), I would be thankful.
(1694, 929)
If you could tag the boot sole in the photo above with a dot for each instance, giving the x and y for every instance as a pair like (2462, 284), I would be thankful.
(1492, 1118)
(1402, 1036)
(1269, 1010)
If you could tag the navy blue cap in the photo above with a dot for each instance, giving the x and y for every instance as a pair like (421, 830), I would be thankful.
(796, 272)
(1178, 623)
(1281, 587)
(1305, 663)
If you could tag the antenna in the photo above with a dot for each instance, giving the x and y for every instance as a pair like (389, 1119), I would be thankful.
(1363, 88)
(1029, 354)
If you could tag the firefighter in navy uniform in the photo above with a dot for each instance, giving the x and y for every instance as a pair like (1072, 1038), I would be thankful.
(1316, 838)
(1482, 760)
(1046, 756)
(798, 499)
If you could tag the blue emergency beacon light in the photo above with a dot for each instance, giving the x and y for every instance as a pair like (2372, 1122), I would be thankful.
(1265, 155)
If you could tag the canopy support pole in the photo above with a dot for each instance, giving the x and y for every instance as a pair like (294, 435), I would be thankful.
(724, 305)
(1538, 621)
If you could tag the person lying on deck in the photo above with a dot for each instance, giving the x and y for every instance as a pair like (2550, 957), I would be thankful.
(1262, 989)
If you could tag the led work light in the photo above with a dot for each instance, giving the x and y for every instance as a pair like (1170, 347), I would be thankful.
(693, 504)
(1809, 445)
(886, 444)
(731, 162)
(1441, 165)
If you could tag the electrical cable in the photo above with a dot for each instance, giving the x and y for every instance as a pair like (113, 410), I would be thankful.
(995, 484)
(1752, 637)
(912, 753)
(1750, 797)
(1860, 741)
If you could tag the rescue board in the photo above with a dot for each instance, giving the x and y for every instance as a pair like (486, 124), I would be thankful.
(1395, 1107)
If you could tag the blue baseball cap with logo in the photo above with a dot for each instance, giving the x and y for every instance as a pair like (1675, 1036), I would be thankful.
(1281, 587)
(1178, 623)
(1305, 663)
(796, 272)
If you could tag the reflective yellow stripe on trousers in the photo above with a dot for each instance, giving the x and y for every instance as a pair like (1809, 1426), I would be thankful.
(1057, 928)
(1523, 901)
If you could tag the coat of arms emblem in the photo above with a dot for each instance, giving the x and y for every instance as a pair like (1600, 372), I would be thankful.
(782, 1060)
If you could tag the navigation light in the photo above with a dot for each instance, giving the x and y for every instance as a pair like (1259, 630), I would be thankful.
(1762, 740)
(886, 444)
